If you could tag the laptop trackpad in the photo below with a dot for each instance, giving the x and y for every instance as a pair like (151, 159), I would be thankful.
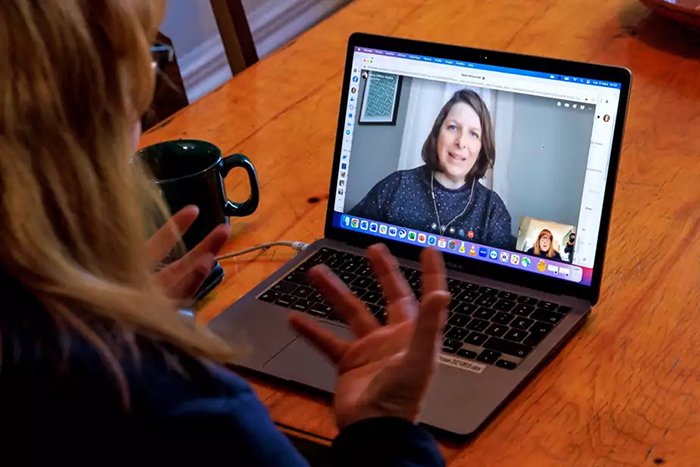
(302, 363)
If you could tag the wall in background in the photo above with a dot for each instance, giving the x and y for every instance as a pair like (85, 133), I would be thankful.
(377, 143)
(549, 152)
(192, 27)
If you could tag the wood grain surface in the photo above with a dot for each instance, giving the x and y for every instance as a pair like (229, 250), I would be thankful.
(626, 389)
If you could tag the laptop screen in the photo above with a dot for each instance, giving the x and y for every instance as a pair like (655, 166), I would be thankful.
(495, 164)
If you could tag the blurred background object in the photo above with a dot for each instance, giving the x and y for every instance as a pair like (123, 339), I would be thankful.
(202, 44)
(684, 11)
(169, 95)
(213, 38)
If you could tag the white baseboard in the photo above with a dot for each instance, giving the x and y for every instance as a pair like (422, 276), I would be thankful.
(204, 68)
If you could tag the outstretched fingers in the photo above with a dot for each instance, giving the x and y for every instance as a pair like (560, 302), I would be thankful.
(347, 305)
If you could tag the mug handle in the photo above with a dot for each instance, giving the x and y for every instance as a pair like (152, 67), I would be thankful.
(249, 206)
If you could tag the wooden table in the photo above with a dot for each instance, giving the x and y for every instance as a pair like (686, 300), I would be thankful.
(625, 391)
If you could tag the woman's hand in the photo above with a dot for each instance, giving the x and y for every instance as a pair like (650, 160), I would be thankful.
(182, 278)
(386, 371)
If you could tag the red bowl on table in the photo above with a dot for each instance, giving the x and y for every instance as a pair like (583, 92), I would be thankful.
(683, 11)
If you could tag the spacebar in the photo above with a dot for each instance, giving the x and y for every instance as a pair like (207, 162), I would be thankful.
(510, 348)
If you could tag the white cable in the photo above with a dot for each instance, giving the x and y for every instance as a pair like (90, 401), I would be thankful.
(298, 246)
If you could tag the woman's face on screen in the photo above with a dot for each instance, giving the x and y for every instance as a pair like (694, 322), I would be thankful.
(545, 243)
(459, 141)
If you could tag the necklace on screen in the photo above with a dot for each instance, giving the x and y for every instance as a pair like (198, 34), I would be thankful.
(443, 228)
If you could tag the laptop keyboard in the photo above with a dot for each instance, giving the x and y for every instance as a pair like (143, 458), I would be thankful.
(484, 324)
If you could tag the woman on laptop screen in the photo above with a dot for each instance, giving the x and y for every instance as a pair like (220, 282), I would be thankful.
(544, 246)
(444, 195)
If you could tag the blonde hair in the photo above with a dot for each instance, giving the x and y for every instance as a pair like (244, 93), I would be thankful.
(551, 251)
(74, 77)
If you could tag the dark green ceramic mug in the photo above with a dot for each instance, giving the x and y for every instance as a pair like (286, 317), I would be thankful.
(193, 172)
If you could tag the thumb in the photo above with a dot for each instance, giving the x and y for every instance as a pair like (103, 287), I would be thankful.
(428, 332)
(324, 340)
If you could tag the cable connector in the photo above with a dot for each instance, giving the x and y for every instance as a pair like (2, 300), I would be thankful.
(296, 246)
(299, 246)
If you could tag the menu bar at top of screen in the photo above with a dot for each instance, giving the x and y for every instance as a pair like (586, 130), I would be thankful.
(498, 81)
(499, 69)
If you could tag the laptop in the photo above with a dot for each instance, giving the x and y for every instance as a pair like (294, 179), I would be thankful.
(507, 164)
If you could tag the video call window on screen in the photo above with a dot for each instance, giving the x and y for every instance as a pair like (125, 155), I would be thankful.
(497, 168)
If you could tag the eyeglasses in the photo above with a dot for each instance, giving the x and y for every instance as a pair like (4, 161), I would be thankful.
(161, 55)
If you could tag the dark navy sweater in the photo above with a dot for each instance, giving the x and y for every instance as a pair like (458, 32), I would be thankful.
(403, 198)
(59, 405)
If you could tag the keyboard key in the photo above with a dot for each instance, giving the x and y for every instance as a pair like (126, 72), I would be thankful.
(488, 291)
(496, 330)
(522, 310)
(507, 295)
(484, 313)
(451, 346)
(374, 309)
(507, 347)
(381, 315)
(488, 356)
(457, 333)
(347, 277)
(363, 282)
(375, 286)
(527, 300)
(507, 364)
(478, 325)
(410, 272)
(465, 309)
(467, 296)
(318, 258)
(515, 335)
(464, 353)
(521, 323)
(298, 277)
(284, 287)
(476, 339)
(486, 300)
(372, 297)
(504, 305)
(453, 304)
(318, 297)
(286, 301)
(303, 291)
(321, 310)
(564, 309)
(548, 305)
(459, 320)
(547, 316)
(537, 332)
(269, 296)
(301, 305)
(357, 291)
(364, 271)
(502, 318)
(469, 286)
(335, 263)
(350, 266)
